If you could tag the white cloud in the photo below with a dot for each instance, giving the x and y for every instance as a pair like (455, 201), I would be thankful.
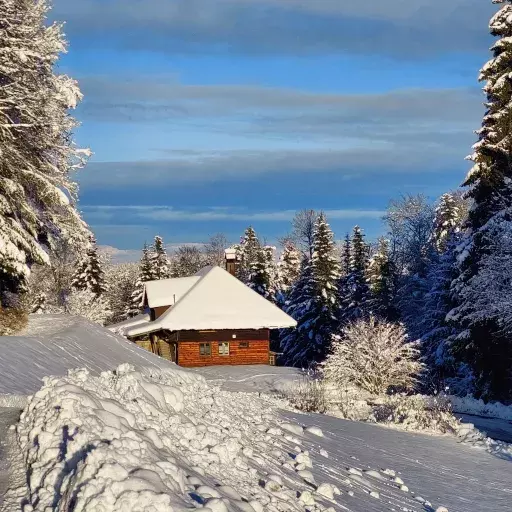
(418, 28)
(165, 213)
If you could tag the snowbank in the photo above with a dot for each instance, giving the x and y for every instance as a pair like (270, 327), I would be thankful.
(53, 344)
(470, 405)
(154, 440)
(163, 440)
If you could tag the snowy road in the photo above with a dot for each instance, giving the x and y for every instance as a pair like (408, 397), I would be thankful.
(495, 428)
(462, 478)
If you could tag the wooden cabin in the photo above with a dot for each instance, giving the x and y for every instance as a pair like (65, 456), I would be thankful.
(207, 319)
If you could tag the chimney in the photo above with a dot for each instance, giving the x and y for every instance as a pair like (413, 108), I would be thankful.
(230, 256)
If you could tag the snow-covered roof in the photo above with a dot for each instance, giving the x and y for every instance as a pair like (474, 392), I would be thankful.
(217, 300)
(122, 327)
(166, 292)
(231, 253)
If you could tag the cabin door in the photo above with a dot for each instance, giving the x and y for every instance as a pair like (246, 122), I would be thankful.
(174, 352)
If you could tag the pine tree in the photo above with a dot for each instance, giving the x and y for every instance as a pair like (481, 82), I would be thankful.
(435, 329)
(89, 274)
(314, 302)
(37, 206)
(120, 279)
(448, 219)
(297, 345)
(380, 278)
(248, 250)
(160, 265)
(356, 293)
(288, 270)
(345, 257)
(262, 278)
(324, 264)
(480, 342)
(135, 306)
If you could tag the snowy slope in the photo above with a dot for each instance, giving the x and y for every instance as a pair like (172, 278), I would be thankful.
(161, 440)
(52, 344)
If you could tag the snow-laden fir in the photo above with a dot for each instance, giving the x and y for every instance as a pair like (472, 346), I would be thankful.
(37, 194)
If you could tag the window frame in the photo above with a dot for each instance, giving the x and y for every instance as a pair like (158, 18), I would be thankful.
(205, 349)
(224, 344)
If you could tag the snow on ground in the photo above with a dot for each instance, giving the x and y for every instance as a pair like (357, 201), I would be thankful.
(52, 344)
(152, 437)
(256, 378)
(470, 405)
(167, 440)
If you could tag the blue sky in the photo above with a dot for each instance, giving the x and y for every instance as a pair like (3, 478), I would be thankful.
(206, 116)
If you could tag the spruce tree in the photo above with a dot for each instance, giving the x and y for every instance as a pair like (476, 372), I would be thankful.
(434, 327)
(480, 342)
(248, 251)
(298, 345)
(135, 306)
(262, 278)
(314, 302)
(380, 278)
(345, 257)
(288, 270)
(357, 294)
(89, 274)
(160, 265)
(447, 220)
(37, 194)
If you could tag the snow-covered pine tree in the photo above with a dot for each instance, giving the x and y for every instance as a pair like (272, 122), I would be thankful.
(145, 274)
(314, 302)
(262, 278)
(434, 328)
(345, 256)
(160, 265)
(324, 263)
(37, 194)
(296, 344)
(380, 278)
(288, 270)
(481, 343)
(356, 294)
(89, 274)
(248, 250)
(120, 279)
(448, 219)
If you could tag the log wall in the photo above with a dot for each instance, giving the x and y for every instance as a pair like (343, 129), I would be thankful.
(256, 350)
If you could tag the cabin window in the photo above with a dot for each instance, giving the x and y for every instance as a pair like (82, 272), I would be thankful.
(243, 344)
(224, 348)
(205, 349)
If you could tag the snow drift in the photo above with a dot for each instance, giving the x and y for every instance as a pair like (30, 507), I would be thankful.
(53, 344)
(162, 440)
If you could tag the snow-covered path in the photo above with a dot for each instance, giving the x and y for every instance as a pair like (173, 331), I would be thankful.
(495, 428)
(460, 477)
